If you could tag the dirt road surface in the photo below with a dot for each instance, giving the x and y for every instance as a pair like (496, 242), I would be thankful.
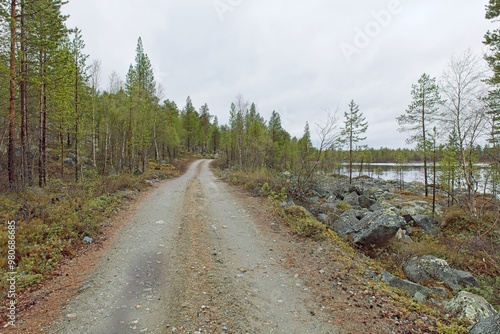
(192, 260)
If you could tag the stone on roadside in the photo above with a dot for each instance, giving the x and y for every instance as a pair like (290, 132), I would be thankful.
(368, 228)
(490, 325)
(413, 289)
(472, 307)
(88, 240)
(429, 267)
(346, 224)
(378, 228)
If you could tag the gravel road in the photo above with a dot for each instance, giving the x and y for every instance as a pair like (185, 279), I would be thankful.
(192, 260)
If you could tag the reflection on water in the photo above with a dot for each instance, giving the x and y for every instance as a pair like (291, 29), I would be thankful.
(386, 171)
(411, 172)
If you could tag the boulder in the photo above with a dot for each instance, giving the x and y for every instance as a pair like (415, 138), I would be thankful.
(365, 202)
(490, 325)
(322, 217)
(352, 199)
(368, 228)
(401, 235)
(379, 228)
(428, 224)
(348, 223)
(349, 189)
(418, 292)
(428, 267)
(472, 307)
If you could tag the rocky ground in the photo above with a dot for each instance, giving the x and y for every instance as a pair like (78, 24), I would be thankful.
(371, 214)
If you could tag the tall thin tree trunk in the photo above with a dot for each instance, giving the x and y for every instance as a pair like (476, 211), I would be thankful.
(61, 129)
(44, 138)
(12, 104)
(424, 141)
(26, 172)
(40, 124)
(77, 119)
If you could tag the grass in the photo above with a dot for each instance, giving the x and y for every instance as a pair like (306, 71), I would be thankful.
(51, 222)
(460, 244)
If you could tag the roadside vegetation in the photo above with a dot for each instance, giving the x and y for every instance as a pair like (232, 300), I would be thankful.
(53, 223)
(467, 242)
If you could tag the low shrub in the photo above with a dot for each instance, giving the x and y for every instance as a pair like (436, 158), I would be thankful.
(303, 223)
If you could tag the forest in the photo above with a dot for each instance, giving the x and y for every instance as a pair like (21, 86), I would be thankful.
(75, 145)
(61, 120)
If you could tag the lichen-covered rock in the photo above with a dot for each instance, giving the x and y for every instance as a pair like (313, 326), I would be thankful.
(378, 228)
(366, 202)
(429, 267)
(418, 292)
(472, 307)
(428, 224)
(368, 228)
(352, 199)
(490, 325)
(347, 223)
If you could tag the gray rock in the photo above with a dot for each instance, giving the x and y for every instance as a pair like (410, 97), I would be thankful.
(68, 162)
(88, 240)
(366, 202)
(322, 217)
(429, 267)
(352, 189)
(348, 223)
(375, 207)
(289, 203)
(490, 325)
(378, 228)
(428, 224)
(401, 235)
(419, 297)
(314, 200)
(368, 228)
(472, 307)
(352, 199)
(410, 287)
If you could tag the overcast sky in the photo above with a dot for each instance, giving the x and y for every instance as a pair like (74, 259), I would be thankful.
(293, 56)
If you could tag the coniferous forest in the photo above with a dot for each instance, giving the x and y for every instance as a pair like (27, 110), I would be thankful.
(73, 138)
(62, 120)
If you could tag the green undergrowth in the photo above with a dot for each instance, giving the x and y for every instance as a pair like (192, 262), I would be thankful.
(51, 222)
(272, 186)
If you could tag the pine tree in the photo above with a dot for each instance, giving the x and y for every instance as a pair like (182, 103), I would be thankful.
(354, 126)
(12, 99)
(421, 113)
(492, 39)
(79, 60)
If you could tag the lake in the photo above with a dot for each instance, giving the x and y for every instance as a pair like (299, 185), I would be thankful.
(409, 172)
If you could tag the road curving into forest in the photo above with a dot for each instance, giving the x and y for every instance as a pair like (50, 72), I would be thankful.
(192, 260)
